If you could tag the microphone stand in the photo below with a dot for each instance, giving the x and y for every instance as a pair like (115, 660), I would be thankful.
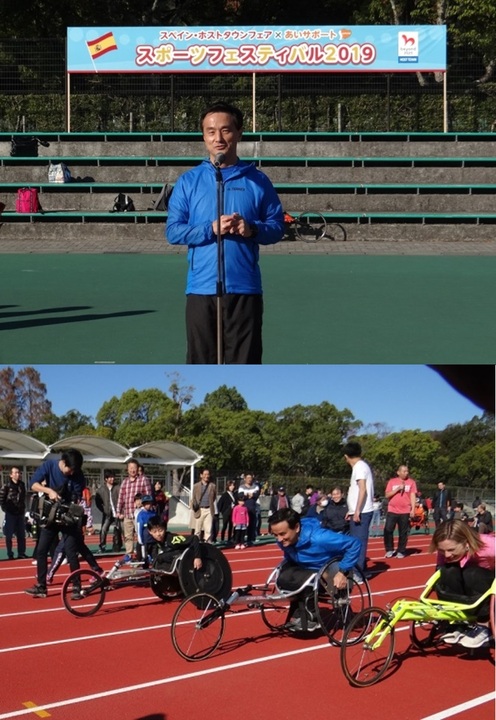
(220, 260)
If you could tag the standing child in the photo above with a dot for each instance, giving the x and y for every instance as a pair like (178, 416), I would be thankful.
(240, 520)
(375, 524)
(144, 515)
(137, 508)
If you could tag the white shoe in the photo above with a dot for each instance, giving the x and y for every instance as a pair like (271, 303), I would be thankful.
(389, 554)
(400, 555)
(453, 637)
(238, 547)
(475, 637)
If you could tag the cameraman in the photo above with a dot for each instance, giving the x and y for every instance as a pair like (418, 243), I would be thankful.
(64, 481)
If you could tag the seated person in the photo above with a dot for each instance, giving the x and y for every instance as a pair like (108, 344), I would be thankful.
(307, 547)
(332, 512)
(483, 520)
(466, 561)
(418, 514)
(167, 546)
(459, 513)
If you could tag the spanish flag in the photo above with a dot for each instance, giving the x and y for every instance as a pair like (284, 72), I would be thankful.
(101, 45)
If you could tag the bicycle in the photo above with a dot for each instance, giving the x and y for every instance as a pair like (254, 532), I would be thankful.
(199, 621)
(84, 590)
(312, 226)
(366, 663)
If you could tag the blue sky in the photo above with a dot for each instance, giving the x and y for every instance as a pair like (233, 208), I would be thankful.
(399, 396)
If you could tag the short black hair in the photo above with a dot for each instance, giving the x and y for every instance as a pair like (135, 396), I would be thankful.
(223, 107)
(156, 522)
(72, 458)
(285, 515)
(352, 449)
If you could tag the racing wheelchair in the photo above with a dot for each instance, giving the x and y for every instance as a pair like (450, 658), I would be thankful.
(199, 622)
(369, 640)
(84, 590)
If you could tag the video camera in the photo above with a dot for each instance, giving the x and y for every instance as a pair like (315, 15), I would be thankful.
(55, 512)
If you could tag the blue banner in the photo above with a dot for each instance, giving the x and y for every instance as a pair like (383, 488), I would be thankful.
(275, 49)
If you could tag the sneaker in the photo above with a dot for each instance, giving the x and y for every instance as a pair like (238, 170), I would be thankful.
(242, 547)
(358, 579)
(64, 561)
(37, 591)
(389, 554)
(22, 557)
(238, 547)
(296, 626)
(475, 637)
(98, 570)
(453, 637)
(400, 555)
(77, 595)
(34, 562)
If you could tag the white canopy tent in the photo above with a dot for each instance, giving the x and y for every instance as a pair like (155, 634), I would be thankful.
(21, 449)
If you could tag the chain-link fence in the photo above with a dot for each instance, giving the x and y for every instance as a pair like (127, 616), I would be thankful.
(34, 91)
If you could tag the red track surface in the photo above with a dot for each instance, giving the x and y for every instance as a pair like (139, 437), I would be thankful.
(121, 663)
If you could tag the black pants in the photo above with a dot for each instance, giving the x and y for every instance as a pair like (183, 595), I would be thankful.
(107, 521)
(71, 545)
(241, 325)
(465, 585)
(402, 520)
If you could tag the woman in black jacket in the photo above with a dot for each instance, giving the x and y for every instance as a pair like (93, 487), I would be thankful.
(225, 504)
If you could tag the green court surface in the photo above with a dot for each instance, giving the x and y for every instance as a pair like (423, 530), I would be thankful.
(318, 309)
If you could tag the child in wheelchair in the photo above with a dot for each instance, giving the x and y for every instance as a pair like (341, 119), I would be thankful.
(167, 547)
(467, 562)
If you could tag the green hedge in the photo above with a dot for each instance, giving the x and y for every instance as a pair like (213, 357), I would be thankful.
(473, 111)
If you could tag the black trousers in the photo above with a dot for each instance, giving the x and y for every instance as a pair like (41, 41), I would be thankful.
(402, 520)
(71, 538)
(241, 325)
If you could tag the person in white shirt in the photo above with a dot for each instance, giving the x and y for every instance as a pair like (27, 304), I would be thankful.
(360, 498)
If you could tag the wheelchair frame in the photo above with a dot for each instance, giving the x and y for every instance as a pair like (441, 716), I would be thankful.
(199, 621)
(366, 663)
(84, 590)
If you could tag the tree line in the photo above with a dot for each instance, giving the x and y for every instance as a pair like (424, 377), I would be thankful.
(295, 444)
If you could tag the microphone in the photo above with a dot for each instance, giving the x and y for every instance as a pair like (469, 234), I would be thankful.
(219, 159)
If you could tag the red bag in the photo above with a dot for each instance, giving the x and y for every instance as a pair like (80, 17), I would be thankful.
(27, 201)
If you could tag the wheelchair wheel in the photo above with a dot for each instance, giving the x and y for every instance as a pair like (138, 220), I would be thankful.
(336, 232)
(214, 578)
(197, 627)
(83, 592)
(423, 634)
(335, 609)
(366, 662)
(310, 226)
(165, 587)
(275, 614)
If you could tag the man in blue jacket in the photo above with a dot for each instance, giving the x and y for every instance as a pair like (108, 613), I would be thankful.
(251, 215)
(307, 547)
(60, 480)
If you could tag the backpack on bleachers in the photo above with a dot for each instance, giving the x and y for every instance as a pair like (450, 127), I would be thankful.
(27, 201)
(26, 147)
(123, 203)
(162, 202)
(59, 173)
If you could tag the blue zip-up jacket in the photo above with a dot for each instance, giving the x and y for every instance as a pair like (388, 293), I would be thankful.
(193, 208)
(317, 545)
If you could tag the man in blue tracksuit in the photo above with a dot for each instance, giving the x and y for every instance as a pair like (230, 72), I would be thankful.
(251, 215)
(307, 547)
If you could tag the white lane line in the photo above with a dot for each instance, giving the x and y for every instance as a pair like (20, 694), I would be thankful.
(158, 683)
(457, 709)
(99, 636)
